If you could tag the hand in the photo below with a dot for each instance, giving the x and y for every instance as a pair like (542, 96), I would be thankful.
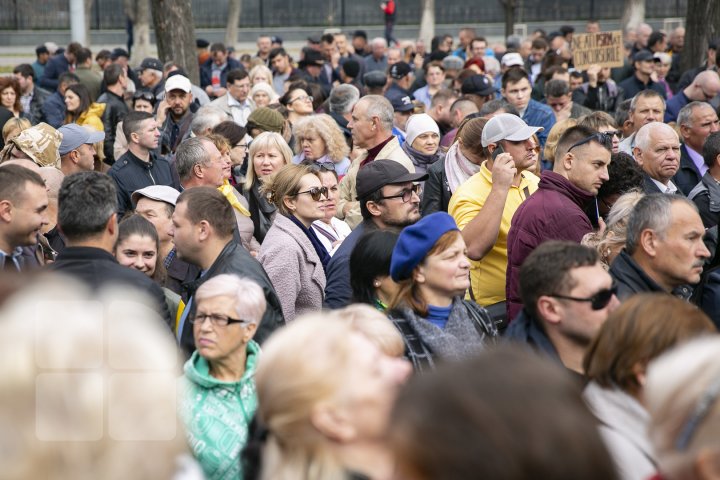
(503, 171)
(592, 73)
(209, 90)
(335, 59)
(564, 114)
(219, 92)
(601, 227)
(654, 76)
(162, 111)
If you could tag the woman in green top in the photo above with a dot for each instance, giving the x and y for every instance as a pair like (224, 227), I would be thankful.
(218, 399)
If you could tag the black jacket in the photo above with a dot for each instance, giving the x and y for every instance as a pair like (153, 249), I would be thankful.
(338, 291)
(632, 86)
(262, 212)
(526, 329)
(687, 176)
(130, 174)
(235, 259)
(98, 268)
(436, 191)
(650, 187)
(36, 113)
(180, 274)
(115, 111)
(631, 279)
(706, 196)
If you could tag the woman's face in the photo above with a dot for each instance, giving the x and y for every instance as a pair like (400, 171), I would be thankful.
(370, 388)
(313, 147)
(227, 163)
(138, 252)
(330, 182)
(7, 97)
(213, 342)
(143, 106)
(238, 152)
(303, 206)
(446, 273)
(300, 102)
(72, 101)
(261, 99)
(261, 78)
(427, 143)
(267, 161)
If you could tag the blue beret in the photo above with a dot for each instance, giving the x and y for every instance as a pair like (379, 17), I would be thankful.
(416, 241)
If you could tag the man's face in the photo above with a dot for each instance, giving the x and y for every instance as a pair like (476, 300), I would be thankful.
(122, 61)
(157, 213)
(184, 234)
(219, 58)
(148, 78)
(213, 169)
(559, 103)
(86, 157)
(578, 321)
(465, 38)
(25, 218)
(264, 45)
(645, 67)
(328, 49)
(537, 54)
(378, 50)
(588, 170)
(341, 44)
(680, 253)
(363, 128)
(359, 44)
(518, 94)
(240, 89)
(396, 213)
(179, 102)
(148, 135)
(575, 83)
(523, 152)
(394, 56)
(661, 159)
(25, 84)
(703, 122)
(643, 34)
(478, 48)
(647, 110)
(592, 27)
(281, 63)
(435, 76)
(43, 58)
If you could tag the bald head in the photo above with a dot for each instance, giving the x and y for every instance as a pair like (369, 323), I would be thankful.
(705, 86)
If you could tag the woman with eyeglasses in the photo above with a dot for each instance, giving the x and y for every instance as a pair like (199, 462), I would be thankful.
(330, 230)
(143, 101)
(319, 140)
(292, 254)
(237, 138)
(218, 398)
(640, 330)
(422, 142)
(430, 264)
(298, 102)
(268, 153)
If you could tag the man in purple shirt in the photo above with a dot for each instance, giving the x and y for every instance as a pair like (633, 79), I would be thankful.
(696, 120)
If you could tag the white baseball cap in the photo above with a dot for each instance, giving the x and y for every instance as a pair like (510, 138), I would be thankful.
(512, 59)
(178, 82)
(506, 126)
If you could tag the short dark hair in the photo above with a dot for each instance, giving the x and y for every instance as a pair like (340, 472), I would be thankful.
(624, 175)
(711, 149)
(25, 70)
(112, 74)
(86, 201)
(83, 55)
(539, 43)
(498, 104)
(207, 203)
(546, 271)
(68, 78)
(236, 74)
(132, 122)
(514, 75)
(622, 112)
(571, 136)
(218, 47)
(74, 48)
(375, 197)
(13, 179)
(655, 38)
(556, 88)
(103, 55)
(275, 52)
(327, 38)
(369, 260)
(230, 131)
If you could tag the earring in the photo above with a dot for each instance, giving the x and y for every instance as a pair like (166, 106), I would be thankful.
(376, 284)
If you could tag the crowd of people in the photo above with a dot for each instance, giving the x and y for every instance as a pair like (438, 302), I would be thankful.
(379, 262)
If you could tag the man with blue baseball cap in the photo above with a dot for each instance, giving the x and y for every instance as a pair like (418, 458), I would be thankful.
(77, 150)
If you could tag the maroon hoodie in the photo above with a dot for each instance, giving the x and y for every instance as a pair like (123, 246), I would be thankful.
(553, 212)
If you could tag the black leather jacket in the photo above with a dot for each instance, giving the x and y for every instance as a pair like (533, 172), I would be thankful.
(115, 111)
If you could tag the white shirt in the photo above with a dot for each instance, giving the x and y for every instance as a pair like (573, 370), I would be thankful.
(240, 111)
(329, 234)
(670, 188)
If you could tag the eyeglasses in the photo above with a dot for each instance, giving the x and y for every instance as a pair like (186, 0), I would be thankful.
(216, 319)
(147, 96)
(302, 98)
(406, 194)
(321, 166)
(597, 302)
(316, 193)
(240, 145)
(702, 409)
(601, 138)
(613, 133)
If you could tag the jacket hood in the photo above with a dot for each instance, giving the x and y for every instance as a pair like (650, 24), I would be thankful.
(197, 369)
(556, 182)
(96, 109)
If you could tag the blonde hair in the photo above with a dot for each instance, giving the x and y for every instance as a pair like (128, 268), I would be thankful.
(324, 127)
(264, 87)
(285, 183)
(554, 137)
(15, 126)
(258, 70)
(249, 298)
(375, 326)
(220, 142)
(289, 390)
(266, 141)
(616, 231)
(87, 385)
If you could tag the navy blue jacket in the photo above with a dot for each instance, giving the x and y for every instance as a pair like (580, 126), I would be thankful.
(539, 115)
(54, 110)
(206, 72)
(338, 291)
(687, 176)
(54, 67)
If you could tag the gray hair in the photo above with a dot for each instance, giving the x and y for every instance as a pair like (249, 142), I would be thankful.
(86, 201)
(379, 41)
(652, 212)
(642, 137)
(248, 296)
(190, 153)
(206, 118)
(379, 106)
(343, 98)
(685, 115)
(643, 94)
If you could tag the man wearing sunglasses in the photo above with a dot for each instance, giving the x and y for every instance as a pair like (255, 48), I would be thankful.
(566, 297)
(557, 210)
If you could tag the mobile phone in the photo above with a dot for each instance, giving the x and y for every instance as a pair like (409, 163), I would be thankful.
(498, 150)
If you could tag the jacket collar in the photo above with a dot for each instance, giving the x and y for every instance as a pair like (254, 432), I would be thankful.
(86, 253)
(527, 329)
(625, 269)
(556, 182)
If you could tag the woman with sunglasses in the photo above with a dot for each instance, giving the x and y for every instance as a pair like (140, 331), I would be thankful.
(217, 396)
(292, 254)
(640, 330)
(319, 140)
(298, 102)
(430, 265)
(142, 102)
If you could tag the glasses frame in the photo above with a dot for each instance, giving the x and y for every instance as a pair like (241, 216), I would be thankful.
(416, 189)
(215, 319)
(317, 195)
(594, 300)
(309, 98)
(602, 138)
(613, 133)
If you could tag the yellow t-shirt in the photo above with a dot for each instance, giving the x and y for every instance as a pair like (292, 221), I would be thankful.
(487, 276)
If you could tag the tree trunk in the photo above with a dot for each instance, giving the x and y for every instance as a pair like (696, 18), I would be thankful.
(427, 21)
(88, 15)
(231, 30)
(509, 17)
(633, 14)
(141, 32)
(175, 34)
(702, 24)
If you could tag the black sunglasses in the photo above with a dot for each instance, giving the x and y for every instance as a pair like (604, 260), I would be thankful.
(315, 193)
(602, 138)
(613, 133)
(597, 302)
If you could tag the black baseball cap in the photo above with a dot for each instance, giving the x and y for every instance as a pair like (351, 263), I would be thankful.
(374, 78)
(400, 70)
(402, 103)
(119, 52)
(152, 64)
(375, 175)
(478, 85)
